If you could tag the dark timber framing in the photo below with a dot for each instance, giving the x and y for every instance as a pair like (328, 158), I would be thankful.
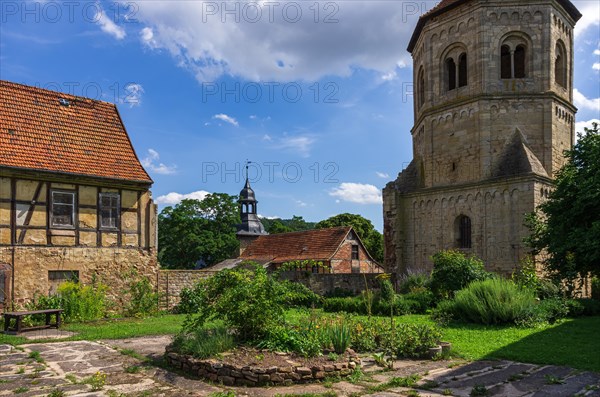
(19, 232)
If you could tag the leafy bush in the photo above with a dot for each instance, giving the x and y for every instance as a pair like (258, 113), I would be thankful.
(453, 271)
(387, 292)
(591, 307)
(443, 313)
(142, 299)
(381, 307)
(526, 274)
(248, 301)
(339, 293)
(493, 301)
(547, 289)
(347, 305)
(308, 341)
(190, 300)
(204, 342)
(596, 288)
(413, 340)
(79, 302)
(419, 301)
(298, 295)
(402, 340)
(414, 282)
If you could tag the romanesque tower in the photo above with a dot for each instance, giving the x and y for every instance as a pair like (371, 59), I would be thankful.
(493, 114)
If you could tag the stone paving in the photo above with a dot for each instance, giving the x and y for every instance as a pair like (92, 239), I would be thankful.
(133, 368)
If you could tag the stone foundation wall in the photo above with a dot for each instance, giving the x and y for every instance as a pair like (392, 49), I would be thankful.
(111, 266)
(170, 283)
(327, 283)
(230, 375)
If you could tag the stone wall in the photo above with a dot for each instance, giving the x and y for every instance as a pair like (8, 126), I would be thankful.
(235, 375)
(111, 266)
(421, 224)
(323, 283)
(171, 282)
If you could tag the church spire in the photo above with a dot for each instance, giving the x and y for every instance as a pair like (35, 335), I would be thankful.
(251, 224)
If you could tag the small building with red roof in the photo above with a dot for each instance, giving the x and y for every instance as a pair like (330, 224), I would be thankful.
(74, 198)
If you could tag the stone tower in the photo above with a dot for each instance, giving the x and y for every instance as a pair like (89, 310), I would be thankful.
(493, 114)
(251, 226)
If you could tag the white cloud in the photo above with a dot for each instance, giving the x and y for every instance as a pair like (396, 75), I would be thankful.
(267, 137)
(596, 66)
(107, 25)
(226, 118)
(203, 38)
(382, 174)
(300, 144)
(301, 203)
(133, 94)
(357, 193)
(175, 198)
(267, 217)
(147, 37)
(579, 126)
(597, 52)
(582, 102)
(591, 15)
(151, 163)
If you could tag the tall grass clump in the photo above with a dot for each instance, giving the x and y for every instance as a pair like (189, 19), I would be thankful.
(493, 301)
(204, 342)
(339, 334)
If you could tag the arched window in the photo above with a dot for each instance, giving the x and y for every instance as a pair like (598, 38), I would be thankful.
(513, 56)
(519, 60)
(505, 62)
(464, 231)
(450, 74)
(560, 65)
(462, 70)
(421, 93)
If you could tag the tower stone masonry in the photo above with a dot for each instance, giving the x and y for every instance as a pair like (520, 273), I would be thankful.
(493, 114)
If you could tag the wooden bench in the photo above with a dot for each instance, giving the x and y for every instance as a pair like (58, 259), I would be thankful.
(18, 317)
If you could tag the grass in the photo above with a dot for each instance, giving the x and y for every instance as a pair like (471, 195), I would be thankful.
(113, 329)
(571, 342)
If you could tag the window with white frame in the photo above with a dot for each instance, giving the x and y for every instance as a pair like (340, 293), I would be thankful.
(62, 209)
(109, 210)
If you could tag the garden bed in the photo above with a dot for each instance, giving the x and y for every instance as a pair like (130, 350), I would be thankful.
(252, 367)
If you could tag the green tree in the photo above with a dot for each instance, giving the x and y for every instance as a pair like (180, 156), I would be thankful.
(567, 226)
(196, 230)
(297, 223)
(371, 238)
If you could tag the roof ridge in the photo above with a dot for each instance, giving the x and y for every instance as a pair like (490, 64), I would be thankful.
(49, 91)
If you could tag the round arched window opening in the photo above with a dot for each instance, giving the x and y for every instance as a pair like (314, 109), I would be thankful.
(463, 231)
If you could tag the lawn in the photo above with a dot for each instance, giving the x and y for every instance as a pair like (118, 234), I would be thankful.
(572, 342)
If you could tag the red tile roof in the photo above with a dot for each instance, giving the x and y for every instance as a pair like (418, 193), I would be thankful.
(86, 137)
(318, 244)
(446, 5)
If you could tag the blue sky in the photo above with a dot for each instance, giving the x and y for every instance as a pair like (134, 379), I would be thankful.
(316, 94)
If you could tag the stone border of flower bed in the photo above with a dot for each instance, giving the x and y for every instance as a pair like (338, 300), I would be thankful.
(230, 375)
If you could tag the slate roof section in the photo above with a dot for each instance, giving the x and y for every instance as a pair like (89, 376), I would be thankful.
(317, 244)
(79, 136)
(447, 5)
